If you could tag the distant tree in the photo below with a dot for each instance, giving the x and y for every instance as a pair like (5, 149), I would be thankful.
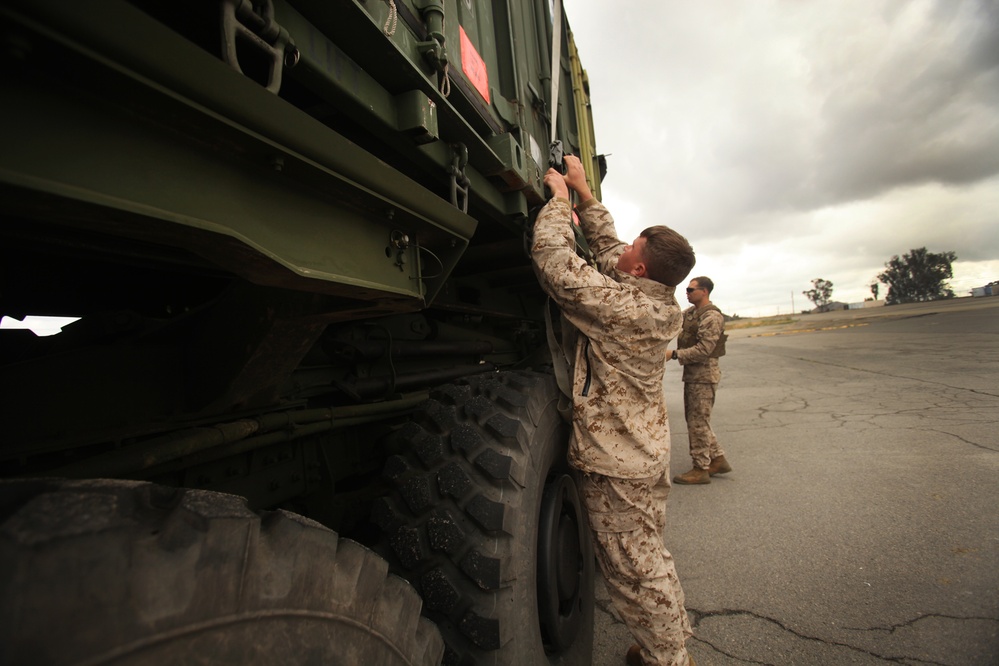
(875, 287)
(918, 276)
(820, 293)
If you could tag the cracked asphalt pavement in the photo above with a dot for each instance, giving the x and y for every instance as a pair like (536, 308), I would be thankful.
(861, 522)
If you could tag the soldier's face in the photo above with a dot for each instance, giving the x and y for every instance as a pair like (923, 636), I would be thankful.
(633, 258)
(694, 292)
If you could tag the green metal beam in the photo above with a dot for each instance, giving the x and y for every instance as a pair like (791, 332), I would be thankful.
(163, 130)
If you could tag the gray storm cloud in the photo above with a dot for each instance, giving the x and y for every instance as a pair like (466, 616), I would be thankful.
(824, 136)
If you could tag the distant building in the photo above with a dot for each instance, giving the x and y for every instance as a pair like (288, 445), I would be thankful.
(991, 289)
(867, 304)
(829, 307)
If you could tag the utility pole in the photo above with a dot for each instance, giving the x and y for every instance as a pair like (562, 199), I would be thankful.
(792, 303)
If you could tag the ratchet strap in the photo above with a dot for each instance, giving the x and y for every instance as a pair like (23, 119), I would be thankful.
(555, 153)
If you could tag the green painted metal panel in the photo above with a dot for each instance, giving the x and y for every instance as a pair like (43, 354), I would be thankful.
(211, 151)
(130, 108)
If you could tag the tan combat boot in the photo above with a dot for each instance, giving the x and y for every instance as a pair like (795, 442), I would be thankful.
(693, 477)
(719, 466)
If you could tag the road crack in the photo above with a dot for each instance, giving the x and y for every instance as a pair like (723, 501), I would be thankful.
(697, 617)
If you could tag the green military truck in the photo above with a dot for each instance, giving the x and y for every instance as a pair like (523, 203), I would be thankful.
(306, 414)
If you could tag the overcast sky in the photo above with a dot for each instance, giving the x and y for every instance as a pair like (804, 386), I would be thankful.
(800, 139)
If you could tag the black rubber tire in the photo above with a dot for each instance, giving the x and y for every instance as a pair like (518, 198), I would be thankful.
(121, 572)
(463, 525)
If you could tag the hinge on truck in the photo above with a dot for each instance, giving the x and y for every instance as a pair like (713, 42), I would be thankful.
(459, 181)
(251, 22)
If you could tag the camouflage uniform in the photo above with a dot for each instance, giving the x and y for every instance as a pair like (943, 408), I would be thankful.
(701, 374)
(620, 432)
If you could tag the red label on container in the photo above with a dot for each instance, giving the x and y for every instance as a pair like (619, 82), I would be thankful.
(474, 66)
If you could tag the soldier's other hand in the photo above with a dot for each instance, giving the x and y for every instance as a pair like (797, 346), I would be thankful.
(575, 177)
(555, 182)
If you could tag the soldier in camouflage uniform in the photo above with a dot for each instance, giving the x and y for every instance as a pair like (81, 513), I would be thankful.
(622, 315)
(697, 351)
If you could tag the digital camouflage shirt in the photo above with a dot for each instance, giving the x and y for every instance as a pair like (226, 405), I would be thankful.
(619, 420)
(701, 330)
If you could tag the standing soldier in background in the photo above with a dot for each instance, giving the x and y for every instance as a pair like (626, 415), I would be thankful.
(701, 342)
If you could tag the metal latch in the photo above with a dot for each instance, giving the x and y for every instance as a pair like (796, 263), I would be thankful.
(433, 49)
(251, 22)
(459, 181)
(398, 244)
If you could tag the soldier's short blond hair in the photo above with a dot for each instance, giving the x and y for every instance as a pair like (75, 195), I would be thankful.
(668, 256)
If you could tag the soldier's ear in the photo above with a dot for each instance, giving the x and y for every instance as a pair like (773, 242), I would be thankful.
(639, 270)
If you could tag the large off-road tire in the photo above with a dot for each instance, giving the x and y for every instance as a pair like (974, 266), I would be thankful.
(119, 572)
(488, 525)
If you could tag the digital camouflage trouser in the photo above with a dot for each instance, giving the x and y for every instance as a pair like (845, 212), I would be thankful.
(698, 400)
(628, 518)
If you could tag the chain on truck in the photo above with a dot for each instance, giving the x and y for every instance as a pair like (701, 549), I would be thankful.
(305, 413)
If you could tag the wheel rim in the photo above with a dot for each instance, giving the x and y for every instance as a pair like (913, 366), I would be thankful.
(560, 564)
